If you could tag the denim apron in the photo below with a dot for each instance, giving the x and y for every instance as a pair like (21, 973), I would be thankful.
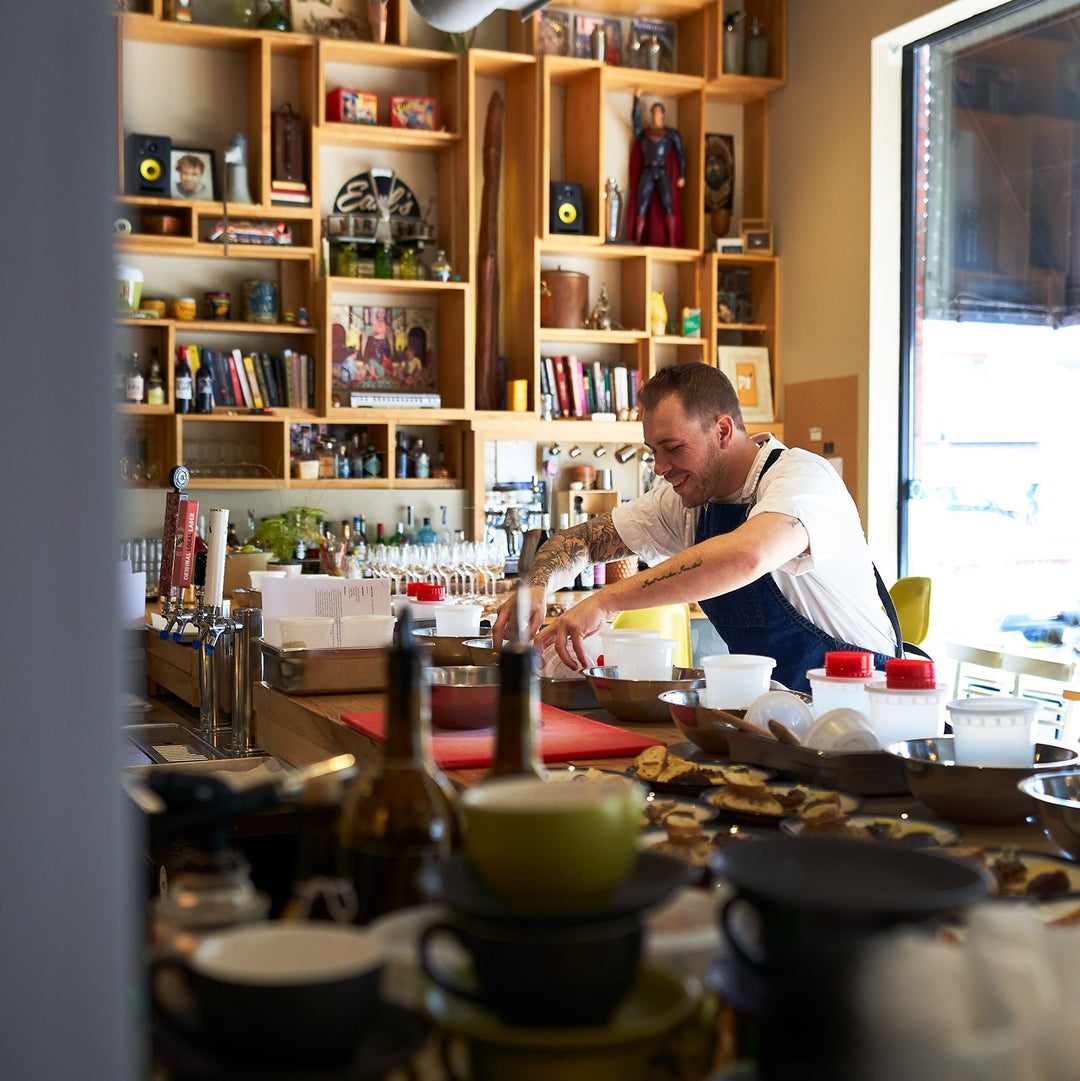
(759, 619)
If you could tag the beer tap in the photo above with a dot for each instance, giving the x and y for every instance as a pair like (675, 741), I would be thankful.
(211, 625)
(177, 555)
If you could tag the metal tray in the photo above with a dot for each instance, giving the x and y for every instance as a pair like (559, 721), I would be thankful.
(170, 743)
(324, 671)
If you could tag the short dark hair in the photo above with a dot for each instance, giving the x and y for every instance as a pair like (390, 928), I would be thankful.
(704, 392)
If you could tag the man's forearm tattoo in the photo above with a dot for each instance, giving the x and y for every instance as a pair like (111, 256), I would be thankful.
(657, 579)
(566, 553)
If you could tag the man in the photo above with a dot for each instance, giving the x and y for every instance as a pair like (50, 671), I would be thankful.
(658, 160)
(190, 172)
(766, 538)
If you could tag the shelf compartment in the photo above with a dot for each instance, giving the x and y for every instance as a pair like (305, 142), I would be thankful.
(224, 449)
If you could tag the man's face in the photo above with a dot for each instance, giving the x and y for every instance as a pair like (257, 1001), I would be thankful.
(190, 177)
(688, 456)
(657, 116)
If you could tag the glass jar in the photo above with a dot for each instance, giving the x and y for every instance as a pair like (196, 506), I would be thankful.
(243, 13)
(408, 268)
(274, 18)
(440, 267)
(348, 261)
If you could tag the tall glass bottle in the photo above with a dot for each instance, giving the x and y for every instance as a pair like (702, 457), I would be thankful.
(135, 385)
(155, 382)
(409, 816)
(410, 525)
(425, 534)
(398, 537)
(517, 717)
(204, 389)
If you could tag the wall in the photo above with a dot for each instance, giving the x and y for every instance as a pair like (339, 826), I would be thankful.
(819, 193)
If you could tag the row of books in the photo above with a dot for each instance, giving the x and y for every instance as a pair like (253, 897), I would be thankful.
(580, 389)
(256, 380)
(295, 192)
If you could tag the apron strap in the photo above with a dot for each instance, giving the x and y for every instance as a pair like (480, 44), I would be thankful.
(890, 610)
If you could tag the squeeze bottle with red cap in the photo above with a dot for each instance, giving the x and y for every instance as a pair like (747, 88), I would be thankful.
(909, 704)
(841, 684)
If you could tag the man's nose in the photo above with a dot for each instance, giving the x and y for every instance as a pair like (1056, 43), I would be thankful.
(660, 463)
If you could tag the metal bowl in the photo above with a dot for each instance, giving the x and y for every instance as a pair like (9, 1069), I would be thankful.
(463, 696)
(639, 699)
(482, 650)
(987, 794)
(1057, 798)
(706, 727)
(571, 694)
(447, 649)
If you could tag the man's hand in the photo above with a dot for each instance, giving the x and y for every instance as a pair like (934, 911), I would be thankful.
(505, 626)
(568, 632)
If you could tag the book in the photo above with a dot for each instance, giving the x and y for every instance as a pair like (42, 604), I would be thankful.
(283, 198)
(562, 387)
(621, 387)
(577, 385)
(236, 369)
(269, 380)
(260, 381)
(602, 404)
(222, 380)
(289, 185)
(382, 349)
(253, 383)
(548, 364)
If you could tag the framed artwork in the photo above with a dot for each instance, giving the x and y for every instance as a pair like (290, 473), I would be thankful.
(553, 33)
(757, 236)
(583, 28)
(192, 174)
(719, 181)
(747, 366)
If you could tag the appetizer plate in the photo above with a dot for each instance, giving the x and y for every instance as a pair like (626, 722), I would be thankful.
(782, 791)
(899, 829)
(659, 805)
(713, 766)
(655, 842)
(563, 774)
(1035, 865)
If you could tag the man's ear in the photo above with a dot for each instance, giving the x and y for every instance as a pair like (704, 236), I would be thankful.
(724, 430)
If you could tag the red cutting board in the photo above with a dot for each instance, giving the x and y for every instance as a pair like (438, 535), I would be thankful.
(562, 735)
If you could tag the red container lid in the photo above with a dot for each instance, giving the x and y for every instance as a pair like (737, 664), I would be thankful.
(412, 588)
(912, 675)
(429, 591)
(849, 665)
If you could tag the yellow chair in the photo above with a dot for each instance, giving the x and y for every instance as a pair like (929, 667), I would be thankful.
(671, 620)
(911, 597)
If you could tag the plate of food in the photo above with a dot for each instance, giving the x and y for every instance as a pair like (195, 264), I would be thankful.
(1019, 875)
(751, 800)
(827, 820)
(658, 807)
(693, 842)
(579, 773)
(665, 770)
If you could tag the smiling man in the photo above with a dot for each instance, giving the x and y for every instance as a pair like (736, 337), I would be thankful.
(766, 539)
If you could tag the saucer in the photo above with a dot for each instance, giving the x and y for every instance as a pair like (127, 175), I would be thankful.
(652, 879)
(658, 1000)
(393, 1036)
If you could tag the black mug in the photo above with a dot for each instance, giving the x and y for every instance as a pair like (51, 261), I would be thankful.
(539, 974)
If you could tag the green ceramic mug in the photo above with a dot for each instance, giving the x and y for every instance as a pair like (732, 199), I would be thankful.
(559, 845)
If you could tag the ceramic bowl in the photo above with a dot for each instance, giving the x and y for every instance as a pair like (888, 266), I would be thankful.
(463, 696)
(987, 794)
(1057, 797)
(639, 699)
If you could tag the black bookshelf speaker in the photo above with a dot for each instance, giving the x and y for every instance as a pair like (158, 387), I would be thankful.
(567, 208)
(147, 164)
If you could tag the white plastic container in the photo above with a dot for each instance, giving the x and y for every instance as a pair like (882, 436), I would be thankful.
(841, 684)
(908, 704)
(646, 658)
(734, 680)
(367, 631)
(306, 632)
(783, 706)
(611, 640)
(993, 731)
(458, 620)
(258, 577)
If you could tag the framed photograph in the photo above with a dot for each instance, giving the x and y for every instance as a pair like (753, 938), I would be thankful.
(747, 366)
(757, 236)
(651, 46)
(553, 33)
(192, 174)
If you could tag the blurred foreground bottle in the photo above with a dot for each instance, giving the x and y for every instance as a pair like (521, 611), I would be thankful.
(409, 816)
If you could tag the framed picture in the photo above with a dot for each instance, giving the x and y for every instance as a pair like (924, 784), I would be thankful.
(747, 366)
(583, 28)
(757, 236)
(192, 174)
(652, 45)
(553, 33)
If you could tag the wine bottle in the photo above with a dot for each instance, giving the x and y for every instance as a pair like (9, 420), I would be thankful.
(409, 816)
(155, 382)
(183, 386)
(517, 716)
(399, 538)
(134, 386)
(204, 388)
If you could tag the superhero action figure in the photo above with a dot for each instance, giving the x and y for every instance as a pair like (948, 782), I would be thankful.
(657, 167)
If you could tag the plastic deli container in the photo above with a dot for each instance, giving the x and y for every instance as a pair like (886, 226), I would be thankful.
(841, 684)
(909, 704)
(423, 598)
(734, 680)
(993, 731)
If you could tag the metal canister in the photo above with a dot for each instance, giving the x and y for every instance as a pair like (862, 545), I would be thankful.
(564, 295)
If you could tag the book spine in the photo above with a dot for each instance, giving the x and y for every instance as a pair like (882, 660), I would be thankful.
(272, 397)
(223, 380)
(549, 367)
(602, 404)
(561, 387)
(234, 377)
(260, 379)
(635, 382)
(577, 385)
(241, 375)
(253, 382)
(309, 382)
(621, 387)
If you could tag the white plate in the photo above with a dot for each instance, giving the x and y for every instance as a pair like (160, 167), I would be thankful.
(938, 832)
(1037, 863)
(848, 803)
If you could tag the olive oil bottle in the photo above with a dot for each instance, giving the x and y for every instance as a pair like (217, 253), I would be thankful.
(409, 815)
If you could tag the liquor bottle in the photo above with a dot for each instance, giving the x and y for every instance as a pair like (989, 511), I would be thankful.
(372, 463)
(384, 261)
(440, 267)
(409, 816)
(421, 460)
(440, 468)
(517, 715)
(183, 385)
(358, 549)
(346, 534)
(444, 532)
(155, 382)
(356, 455)
(425, 534)
(401, 457)
(410, 525)
(133, 392)
(204, 389)
(399, 538)
(343, 465)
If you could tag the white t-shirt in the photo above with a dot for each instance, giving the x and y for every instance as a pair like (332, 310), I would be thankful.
(832, 584)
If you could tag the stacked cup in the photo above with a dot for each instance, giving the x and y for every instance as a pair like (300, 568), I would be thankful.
(909, 704)
(734, 680)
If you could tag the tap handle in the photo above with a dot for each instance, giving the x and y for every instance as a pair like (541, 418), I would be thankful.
(198, 575)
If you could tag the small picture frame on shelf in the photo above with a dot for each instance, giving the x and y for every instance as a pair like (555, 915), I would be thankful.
(756, 235)
(553, 33)
(192, 174)
(651, 45)
(747, 366)
(583, 28)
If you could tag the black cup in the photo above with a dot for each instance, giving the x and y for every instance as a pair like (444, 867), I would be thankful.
(533, 974)
(314, 1015)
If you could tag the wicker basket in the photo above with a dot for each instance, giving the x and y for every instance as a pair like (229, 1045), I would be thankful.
(622, 568)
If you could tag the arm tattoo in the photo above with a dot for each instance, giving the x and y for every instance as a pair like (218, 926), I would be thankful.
(657, 579)
(568, 552)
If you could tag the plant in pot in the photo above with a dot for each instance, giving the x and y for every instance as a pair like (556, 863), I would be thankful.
(284, 533)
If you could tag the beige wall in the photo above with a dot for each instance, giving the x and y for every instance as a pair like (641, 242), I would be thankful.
(819, 190)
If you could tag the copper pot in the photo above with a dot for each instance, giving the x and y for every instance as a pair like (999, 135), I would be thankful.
(564, 296)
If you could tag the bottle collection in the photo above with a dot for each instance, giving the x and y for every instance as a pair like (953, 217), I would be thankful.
(344, 452)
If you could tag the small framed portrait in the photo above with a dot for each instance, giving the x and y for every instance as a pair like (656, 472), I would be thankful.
(747, 366)
(757, 236)
(192, 174)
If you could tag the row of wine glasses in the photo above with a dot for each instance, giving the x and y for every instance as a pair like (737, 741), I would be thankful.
(464, 567)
